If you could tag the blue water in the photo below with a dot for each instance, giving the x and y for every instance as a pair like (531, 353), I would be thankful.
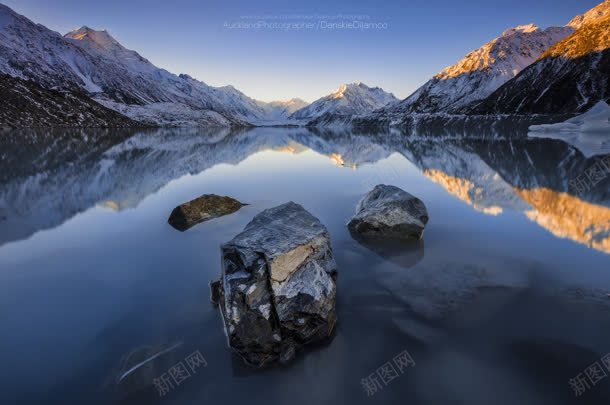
(503, 301)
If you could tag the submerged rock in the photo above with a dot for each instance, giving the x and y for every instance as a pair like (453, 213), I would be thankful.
(277, 288)
(139, 369)
(204, 208)
(388, 211)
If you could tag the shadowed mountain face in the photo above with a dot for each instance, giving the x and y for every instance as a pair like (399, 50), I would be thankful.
(63, 174)
(571, 77)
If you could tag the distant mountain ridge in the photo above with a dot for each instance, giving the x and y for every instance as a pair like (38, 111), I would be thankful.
(348, 99)
(283, 109)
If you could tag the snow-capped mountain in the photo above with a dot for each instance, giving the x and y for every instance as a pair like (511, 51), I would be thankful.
(31, 51)
(147, 84)
(279, 111)
(482, 71)
(95, 63)
(570, 77)
(348, 99)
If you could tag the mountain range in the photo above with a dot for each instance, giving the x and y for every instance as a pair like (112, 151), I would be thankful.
(94, 63)
(87, 78)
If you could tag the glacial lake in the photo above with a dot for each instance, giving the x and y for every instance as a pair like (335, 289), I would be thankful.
(503, 302)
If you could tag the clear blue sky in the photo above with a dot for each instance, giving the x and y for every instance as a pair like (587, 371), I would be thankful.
(188, 36)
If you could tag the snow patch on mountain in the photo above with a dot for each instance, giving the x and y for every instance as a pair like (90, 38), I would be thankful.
(589, 132)
(597, 119)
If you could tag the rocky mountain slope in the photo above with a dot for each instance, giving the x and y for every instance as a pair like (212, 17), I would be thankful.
(348, 99)
(482, 71)
(570, 77)
(27, 104)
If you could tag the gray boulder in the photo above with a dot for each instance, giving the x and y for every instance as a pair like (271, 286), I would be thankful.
(277, 287)
(204, 208)
(388, 211)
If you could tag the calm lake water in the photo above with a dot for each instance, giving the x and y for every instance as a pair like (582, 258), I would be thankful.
(504, 300)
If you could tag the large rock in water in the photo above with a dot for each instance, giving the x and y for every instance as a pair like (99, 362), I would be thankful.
(388, 211)
(277, 288)
(204, 208)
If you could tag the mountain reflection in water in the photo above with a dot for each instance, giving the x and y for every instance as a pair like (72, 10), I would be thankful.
(49, 177)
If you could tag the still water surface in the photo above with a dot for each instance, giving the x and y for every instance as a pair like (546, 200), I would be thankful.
(503, 302)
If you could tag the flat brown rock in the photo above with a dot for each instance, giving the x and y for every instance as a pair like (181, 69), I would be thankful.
(204, 208)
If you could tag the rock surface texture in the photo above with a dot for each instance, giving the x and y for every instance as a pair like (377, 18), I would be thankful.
(277, 288)
(388, 211)
(204, 208)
